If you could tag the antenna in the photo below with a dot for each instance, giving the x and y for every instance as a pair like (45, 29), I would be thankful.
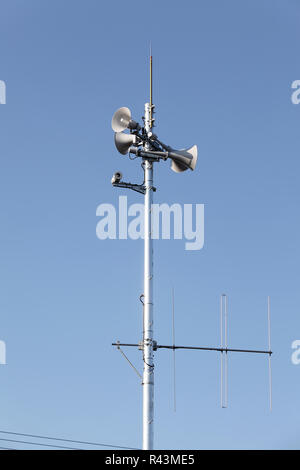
(224, 357)
(223, 349)
(269, 344)
(174, 361)
(151, 96)
(132, 138)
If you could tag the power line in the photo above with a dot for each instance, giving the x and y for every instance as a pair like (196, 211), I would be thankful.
(36, 436)
(40, 444)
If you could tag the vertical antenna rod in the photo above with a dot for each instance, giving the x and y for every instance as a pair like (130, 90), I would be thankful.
(151, 96)
(226, 356)
(224, 350)
(269, 344)
(173, 338)
(221, 345)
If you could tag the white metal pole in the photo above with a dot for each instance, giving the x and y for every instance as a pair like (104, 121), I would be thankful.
(148, 373)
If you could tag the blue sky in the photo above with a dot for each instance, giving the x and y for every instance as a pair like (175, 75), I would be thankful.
(222, 80)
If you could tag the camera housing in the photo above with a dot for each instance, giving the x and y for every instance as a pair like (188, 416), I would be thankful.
(116, 177)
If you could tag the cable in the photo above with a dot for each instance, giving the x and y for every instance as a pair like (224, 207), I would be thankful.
(39, 444)
(68, 440)
(132, 158)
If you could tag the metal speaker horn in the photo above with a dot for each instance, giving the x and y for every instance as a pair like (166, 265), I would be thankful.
(184, 159)
(123, 142)
(121, 120)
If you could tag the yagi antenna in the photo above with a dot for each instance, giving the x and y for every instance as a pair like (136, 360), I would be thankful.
(223, 349)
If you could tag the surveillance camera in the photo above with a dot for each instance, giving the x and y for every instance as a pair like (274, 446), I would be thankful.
(116, 177)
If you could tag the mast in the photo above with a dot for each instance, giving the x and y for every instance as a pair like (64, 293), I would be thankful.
(148, 359)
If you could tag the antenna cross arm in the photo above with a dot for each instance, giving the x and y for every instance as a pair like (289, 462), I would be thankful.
(201, 348)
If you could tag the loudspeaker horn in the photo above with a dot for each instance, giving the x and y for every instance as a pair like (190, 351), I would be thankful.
(121, 120)
(123, 142)
(183, 159)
